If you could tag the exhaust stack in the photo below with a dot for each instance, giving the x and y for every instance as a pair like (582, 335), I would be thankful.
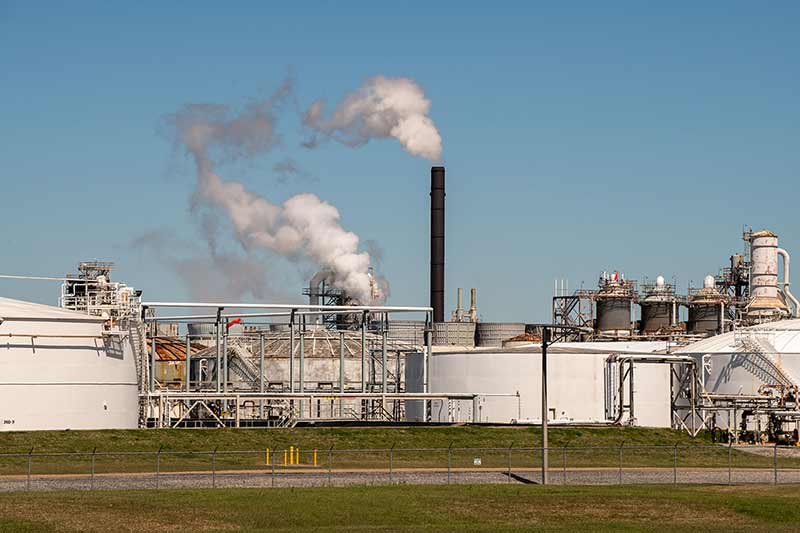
(437, 243)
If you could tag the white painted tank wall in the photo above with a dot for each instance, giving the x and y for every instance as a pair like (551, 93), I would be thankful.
(70, 377)
(576, 386)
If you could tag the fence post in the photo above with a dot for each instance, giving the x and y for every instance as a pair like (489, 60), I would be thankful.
(391, 463)
(675, 465)
(775, 464)
(158, 465)
(449, 456)
(330, 464)
(214, 468)
(619, 470)
(94, 453)
(730, 460)
(28, 479)
(509, 462)
(564, 471)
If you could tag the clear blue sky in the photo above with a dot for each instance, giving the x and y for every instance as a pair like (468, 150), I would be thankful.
(577, 138)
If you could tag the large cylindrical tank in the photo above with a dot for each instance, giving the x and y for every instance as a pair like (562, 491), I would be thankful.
(704, 318)
(454, 333)
(62, 370)
(656, 315)
(494, 333)
(764, 272)
(613, 314)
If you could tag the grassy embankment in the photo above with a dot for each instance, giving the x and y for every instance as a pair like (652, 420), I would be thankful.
(692, 452)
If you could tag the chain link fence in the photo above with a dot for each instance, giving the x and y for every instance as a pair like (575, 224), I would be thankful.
(294, 467)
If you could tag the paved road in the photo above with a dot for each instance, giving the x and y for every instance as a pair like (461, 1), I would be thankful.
(319, 478)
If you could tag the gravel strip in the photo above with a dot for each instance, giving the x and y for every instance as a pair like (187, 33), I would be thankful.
(320, 478)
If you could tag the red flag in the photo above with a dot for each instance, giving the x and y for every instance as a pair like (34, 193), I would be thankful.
(232, 322)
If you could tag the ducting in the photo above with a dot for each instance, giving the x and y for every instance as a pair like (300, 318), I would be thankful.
(437, 243)
(786, 281)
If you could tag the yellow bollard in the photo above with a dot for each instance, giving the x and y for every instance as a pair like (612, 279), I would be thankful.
(291, 455)
(266, 457)
(284, 457)
(297, 456)
(315, 457)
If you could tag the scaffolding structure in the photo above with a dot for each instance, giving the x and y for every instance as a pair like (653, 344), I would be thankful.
(224, 373)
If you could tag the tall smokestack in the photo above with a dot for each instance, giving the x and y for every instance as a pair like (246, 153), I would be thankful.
(437, 243)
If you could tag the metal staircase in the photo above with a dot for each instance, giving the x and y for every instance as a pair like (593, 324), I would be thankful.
(239, 362)
(136, 333)
(760, 361)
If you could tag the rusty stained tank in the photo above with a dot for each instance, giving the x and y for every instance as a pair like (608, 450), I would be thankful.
(659, 307)
(614, 301)
(706, 309)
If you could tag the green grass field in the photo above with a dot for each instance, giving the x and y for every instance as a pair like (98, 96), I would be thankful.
(693, 452)
(407, 508)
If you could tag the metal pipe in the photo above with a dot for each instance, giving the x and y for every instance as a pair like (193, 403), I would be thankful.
(153, 362)
(426, 371)
(291, 354)
(271, 314)
(219, 356)
(545, 342)
(302, 349)
(261, 371)
(225, 376)
(188, 363)
(341, 369)
(631, 418)
(364, 352)
(327, 309)
(786, 281)
(383, 361)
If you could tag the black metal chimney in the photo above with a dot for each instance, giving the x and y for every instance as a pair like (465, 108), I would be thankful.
(437, 243)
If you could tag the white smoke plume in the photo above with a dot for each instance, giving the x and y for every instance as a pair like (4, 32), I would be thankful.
(381, 108)
(302, 227)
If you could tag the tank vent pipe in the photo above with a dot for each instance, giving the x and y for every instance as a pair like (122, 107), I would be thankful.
(786, 281)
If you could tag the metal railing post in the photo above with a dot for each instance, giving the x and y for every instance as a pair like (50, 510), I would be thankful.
(391, 462)
(675, 465)
(330, 464)
(28, 478)
(509, 461)
(449, 460)
(158, 466)
(730, 460)
(214, 469)
(775, 464)
(94, 453)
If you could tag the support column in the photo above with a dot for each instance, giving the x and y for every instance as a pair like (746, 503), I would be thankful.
(341, 370)
(188, 364)
(364, 352)
(261, 373)
(545, 342)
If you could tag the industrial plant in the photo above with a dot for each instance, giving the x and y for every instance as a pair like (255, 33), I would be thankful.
(722, 357)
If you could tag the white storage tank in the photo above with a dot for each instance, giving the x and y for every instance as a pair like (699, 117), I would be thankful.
(59, 370)
(581, 387)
